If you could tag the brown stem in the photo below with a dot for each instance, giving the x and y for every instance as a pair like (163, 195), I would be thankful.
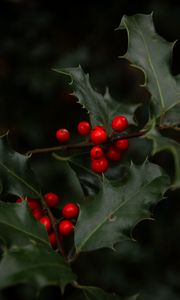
(83, 144)
(59, 148)
(164, 127)
(54, 226)
(128, 136)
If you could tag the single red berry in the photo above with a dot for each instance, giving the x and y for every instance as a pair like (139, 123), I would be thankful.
(84, 128)
(66, 227)
(33, 203)
(98, 135)
(122, 144)
(46, 222)
(96, 152)
(19, 200)
(51, 199)
(52, 239)
(113, 153)
(37, 213)
(62, 135)
(99, 165)
(119, 123)
(70, 210)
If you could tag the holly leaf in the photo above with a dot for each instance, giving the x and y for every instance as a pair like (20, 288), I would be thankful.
(28, 256)
(95, 293)
(172, 117)
(16, 176)
(89, 181)
(18, 227)
(111, 215)
(101, 108)
(151, 53)
(162, 143)
(40, 266)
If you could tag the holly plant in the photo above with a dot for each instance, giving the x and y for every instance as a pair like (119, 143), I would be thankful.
(41, 239)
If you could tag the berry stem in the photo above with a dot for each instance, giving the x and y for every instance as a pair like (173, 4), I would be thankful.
(85, 144)
(54, 226)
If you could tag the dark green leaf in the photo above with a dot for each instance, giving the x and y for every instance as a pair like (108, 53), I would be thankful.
(162, 143)
(112, 214)
(40, 266)
(151, 53)
(90, 181)
(15, 173)
(172, 117)
(94, 293)
(19, 227)
(101, 108)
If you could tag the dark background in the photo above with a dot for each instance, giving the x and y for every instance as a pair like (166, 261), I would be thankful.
(36, 36)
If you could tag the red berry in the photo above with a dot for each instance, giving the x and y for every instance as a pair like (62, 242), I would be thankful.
(84, 128)
(122, 144)
(52, 239)
(33, 203)
(51, 199)
(119, 123)
(99, 165)
(98, 135)
(37, 213)
(96, 152)
(113, 153)
(62, 135)
(70, 210)
(66, 227)
(19, 200)
(46, 222)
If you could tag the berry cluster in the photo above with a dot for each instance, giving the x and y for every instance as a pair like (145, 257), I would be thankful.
(70, 212)
(99, 155)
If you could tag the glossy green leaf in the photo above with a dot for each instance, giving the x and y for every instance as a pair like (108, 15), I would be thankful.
(28, 256)
(111, 215)
(162, 143)
(94, 293)
(37, 265)
(90, 181)
(172, 117)
(151, 53)
(101, 108)
(18, 227)
(15, 173)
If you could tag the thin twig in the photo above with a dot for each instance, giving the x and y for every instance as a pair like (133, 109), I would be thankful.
(83, 144)
(60, 148)
(54, 226)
